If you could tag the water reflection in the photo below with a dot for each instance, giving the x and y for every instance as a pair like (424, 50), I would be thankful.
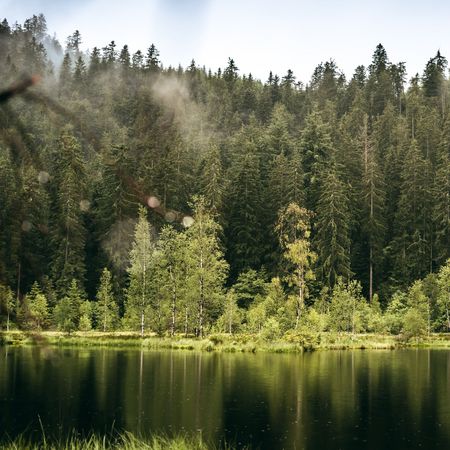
(369, 399)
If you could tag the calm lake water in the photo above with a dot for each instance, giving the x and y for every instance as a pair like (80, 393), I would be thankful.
(323, 400)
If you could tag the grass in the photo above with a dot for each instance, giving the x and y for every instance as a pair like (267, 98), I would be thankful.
(126, 441)
(249, 343)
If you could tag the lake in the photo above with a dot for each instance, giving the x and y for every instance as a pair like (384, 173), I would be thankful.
(323, 400)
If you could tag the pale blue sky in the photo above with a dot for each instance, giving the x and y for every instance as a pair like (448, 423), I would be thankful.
(261, 35)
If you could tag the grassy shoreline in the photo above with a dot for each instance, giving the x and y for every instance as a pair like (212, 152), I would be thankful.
(223, 342)
(125, 441)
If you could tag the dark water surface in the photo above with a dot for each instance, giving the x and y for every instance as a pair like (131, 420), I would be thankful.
(324, 400)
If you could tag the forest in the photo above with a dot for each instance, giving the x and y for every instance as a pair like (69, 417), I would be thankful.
(139, 196)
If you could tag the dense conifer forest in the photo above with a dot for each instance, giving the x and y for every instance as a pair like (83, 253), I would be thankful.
(188, 200)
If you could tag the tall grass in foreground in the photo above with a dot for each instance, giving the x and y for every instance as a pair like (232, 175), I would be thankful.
(126, 441)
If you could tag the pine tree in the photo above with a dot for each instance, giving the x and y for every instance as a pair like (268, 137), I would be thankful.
(74, 42)
(212, 179)
(65, 75)
(332, 239)
(67, 312)
(94, 63)
(79, 75)
(379, 86)
(69, 233)
(152, 59)
(441, 197)
(109, 54)
(37, 307)
(107, 308)
(316, 147)
(243, 212)
(412, 244)
(434, 77)
(10, 225)
(372, 205)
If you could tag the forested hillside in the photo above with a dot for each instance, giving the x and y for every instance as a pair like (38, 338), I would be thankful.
(179, 199)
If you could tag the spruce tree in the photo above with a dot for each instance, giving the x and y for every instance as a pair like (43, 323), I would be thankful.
(332, 222)
(107, 308)
(69, 233)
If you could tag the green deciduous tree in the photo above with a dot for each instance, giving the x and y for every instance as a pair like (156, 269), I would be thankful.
(7, 303)
(172, 273)
(444, 292)
(294, 233)
(141, 289)
(348, 309)
(207, 269)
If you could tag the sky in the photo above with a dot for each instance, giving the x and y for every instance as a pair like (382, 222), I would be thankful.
(260, 35)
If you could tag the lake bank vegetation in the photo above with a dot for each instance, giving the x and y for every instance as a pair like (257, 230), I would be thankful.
(225, 343)
(186, 202)
(126, 441)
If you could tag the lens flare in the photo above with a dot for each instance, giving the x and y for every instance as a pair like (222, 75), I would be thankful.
(153, 202)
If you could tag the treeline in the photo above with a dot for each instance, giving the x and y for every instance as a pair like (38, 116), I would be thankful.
(310, 191)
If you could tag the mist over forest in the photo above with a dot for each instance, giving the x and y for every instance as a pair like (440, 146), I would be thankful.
(206, 199)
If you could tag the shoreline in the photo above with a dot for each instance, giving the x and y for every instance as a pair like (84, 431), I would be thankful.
(244, 343)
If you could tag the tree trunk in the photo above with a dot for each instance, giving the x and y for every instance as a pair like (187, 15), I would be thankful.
(201, 299)
(370, 276)
(174, 303)
(186, 321)
(301, 296)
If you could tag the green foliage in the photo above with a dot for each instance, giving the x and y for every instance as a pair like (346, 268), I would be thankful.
(348, 309)
(66, 313)
(7, 303)
(249, 286)
(294, 235)
(206, 268)
(107, 311)
(38, 312)
(395, 313)
(444, 293)
(231, 319)
(86, 316)
(332, 238)
(415, 325)
(369, 161)
(140, 291)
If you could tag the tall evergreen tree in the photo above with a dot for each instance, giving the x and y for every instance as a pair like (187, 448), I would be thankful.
(332, 239)
(107, 308)
(69, 233)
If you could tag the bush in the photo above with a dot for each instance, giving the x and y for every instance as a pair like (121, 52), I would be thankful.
(415, 326)
(271, 330)
(304, 338)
